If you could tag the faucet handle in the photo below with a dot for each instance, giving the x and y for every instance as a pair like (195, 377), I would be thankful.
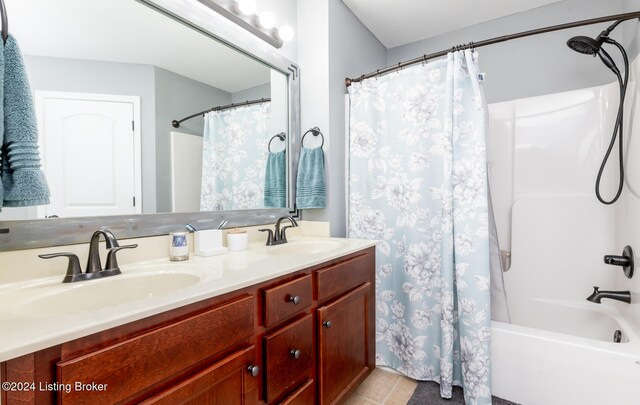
(269, 236)
(283, 232)
(73, 268)
(112, 262)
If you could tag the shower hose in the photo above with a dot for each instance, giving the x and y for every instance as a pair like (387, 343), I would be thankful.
(618, 127)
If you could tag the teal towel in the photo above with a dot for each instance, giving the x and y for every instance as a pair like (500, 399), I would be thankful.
(3, 157)
(275, 181)
(23, 182)
(311, 191)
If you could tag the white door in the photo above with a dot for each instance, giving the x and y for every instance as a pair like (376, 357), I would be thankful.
(91, 153)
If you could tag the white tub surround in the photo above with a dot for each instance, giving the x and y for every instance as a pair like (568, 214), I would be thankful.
(41, 312)
(545, 153)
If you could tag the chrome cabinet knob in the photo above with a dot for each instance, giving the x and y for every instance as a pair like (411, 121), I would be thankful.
(254, 370)
(326, 324)
(296, 353)
(295, 299)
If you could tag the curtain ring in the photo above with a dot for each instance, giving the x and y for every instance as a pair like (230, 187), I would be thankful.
(377, 74)
(424, 59)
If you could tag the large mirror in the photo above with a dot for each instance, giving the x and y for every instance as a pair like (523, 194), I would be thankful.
(143, 111)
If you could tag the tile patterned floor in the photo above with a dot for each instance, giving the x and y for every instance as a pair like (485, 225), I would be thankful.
(383, 388)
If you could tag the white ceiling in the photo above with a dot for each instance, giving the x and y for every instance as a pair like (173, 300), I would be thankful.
(129, 32)
(398, 22)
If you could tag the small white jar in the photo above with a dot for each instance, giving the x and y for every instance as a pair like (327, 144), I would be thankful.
(237, 240)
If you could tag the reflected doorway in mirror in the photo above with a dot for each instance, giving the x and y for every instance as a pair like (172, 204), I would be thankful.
(90, 153)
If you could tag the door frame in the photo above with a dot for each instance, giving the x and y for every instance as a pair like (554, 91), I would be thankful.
(42, 95)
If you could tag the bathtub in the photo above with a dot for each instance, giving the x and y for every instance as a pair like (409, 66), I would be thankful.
(563, 353)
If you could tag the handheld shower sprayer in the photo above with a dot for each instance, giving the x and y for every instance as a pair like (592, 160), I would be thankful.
(590, 46)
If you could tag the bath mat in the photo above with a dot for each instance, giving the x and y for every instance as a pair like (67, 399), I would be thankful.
(428, 393)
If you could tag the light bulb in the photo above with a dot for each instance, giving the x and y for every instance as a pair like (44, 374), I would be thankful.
(285, 33)
(246, 7)
(267, 20)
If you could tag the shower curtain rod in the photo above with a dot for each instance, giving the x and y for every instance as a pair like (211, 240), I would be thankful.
(176, 123)
(504, 38)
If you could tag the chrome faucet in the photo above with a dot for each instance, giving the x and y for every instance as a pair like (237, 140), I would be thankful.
(280, 235)
(597, 296)
(94, 268)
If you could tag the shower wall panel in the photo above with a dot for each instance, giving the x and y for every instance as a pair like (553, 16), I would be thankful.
(544, 155)
(628, 208)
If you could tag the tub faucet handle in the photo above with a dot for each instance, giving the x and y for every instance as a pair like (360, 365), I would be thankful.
(625, 261)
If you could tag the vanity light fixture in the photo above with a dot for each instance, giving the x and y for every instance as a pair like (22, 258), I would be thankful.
(243, 13)
(246, 7)
(285, 33)
(267, 20)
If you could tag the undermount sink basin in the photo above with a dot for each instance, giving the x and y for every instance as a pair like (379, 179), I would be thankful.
(104, 293)
(302, 247)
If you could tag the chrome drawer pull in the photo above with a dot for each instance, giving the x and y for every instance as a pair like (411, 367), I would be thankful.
(253, 370)
(295, 299)
(296, 353)
(326, 324)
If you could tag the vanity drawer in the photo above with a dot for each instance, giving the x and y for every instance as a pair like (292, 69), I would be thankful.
(345, 276)
(142, 361)
(302, 396)
(280, 301)
(226, 382)
(282, 367)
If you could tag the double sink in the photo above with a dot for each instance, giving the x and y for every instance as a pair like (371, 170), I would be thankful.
(146, 281)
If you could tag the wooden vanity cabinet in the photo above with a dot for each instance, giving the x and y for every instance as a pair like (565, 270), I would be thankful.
(227, 382)
(129, 367)
(346, 326)
(345, 343)
(302, 339)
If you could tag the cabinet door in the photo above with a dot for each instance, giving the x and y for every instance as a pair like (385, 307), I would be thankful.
(346, 343)
(227, 382)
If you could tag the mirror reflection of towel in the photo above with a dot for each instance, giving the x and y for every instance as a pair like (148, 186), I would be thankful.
(275, 189)
(23, 182)
(311, 191)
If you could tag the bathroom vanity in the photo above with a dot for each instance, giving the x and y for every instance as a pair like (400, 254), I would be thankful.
(286, 329)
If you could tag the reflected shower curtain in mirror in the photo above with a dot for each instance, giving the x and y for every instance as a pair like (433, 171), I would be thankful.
(418, 183)
(234, 156)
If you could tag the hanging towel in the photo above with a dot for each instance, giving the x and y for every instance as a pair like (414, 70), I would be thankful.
(3, 157)
(311, 191)
(275, 189)
(23, 182)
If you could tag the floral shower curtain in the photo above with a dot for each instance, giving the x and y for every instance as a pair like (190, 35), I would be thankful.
(418, 183)
(234, 157)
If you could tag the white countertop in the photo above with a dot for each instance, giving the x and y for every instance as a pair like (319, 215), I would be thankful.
(25, 329)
